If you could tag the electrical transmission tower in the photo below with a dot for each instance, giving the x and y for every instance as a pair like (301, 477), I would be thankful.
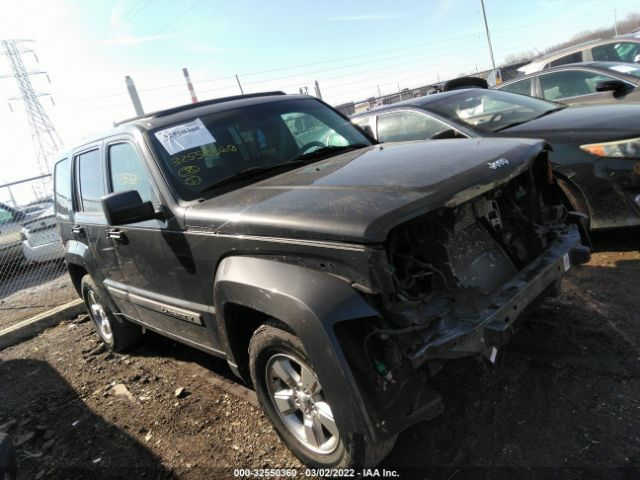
(46, 141)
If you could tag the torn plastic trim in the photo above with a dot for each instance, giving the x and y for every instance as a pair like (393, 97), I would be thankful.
(471, 336)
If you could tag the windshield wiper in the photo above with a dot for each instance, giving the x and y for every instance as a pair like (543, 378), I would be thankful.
(514, 124)
(249, 172)
(330, 149)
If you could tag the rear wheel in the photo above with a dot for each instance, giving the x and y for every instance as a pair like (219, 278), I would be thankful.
(294, 401)
(117, 334)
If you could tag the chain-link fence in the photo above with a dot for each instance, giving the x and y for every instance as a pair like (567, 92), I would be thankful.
(33, 277)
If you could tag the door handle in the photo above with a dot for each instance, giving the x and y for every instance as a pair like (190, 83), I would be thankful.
(116, 234)
(77, 229)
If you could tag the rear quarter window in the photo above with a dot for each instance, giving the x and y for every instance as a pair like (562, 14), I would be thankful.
(523, 87)
(571, 58)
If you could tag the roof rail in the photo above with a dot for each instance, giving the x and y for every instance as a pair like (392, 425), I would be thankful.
(188, 106)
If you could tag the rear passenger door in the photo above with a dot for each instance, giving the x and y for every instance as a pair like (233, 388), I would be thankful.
(89, 222)
(156, 272)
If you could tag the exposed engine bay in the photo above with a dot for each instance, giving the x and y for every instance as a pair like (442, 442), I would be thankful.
(462, 276)
(450, 262)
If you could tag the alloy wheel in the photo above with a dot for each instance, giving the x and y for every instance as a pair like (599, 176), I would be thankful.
(301, 404)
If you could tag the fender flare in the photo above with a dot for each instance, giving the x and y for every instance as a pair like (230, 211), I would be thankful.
(77, 253)
(310, 303)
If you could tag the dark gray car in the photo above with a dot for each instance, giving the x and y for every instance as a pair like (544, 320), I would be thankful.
(588, 83)
(333, 274)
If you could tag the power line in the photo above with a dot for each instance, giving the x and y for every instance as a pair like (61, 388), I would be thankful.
(129, 12)
(194, 5)
(381, 52)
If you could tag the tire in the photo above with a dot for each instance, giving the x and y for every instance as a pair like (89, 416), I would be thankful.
(8, 465)
(574, 201)
(278, 363)
(117, 334)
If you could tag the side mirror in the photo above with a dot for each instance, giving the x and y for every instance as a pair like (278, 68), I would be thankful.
(368, 130)
(615, 86)
(126, 207)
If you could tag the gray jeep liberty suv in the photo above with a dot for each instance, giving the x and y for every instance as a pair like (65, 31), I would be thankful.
(333, 274)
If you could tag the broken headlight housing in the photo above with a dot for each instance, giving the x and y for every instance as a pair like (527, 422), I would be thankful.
(629, 148)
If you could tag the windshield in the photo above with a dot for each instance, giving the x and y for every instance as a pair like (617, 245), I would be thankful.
(630, 69)
(490, 110)
(204, 151)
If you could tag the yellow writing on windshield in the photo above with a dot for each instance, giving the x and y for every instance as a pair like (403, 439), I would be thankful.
(201, 155)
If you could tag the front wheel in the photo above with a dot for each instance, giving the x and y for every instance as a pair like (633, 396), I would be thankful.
(118, 335)
(294, 401)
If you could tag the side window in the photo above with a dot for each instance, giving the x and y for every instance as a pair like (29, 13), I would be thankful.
(617, 52)
(572, 58)
(62, 178)
(306, 128)
(570, 83)
(5, 215)
(91, 181)
(407, 126)
(523, 87)
(128, 172)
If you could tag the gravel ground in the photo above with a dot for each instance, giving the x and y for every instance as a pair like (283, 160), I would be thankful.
(564, 402)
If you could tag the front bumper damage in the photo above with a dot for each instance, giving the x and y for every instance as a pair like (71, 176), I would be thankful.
(399, 394)
(455, 337)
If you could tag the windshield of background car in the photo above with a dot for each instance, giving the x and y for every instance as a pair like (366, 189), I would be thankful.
(627, 69)
(490, 110)
(203, 151)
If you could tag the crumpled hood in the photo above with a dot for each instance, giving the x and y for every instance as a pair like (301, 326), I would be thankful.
(360, 195)
(582, 124)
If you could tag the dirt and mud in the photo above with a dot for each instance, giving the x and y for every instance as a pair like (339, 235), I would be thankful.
(564, 401)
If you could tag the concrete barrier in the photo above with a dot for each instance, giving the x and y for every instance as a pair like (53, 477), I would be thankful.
(32, 326)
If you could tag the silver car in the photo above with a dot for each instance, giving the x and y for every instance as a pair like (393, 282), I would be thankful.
(625, 48)
(28, 235)
(11, 220)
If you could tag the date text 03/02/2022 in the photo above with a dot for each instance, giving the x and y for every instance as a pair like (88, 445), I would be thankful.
(315, 472)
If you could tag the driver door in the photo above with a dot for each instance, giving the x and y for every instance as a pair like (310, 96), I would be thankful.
(156, 272)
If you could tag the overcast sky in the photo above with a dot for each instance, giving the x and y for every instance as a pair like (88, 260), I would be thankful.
(351, 47)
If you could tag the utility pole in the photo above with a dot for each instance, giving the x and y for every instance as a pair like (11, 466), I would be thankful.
(238, 80)
(46, 141)
(486, 28)
(318, 93)
(192, 92)
(379, 94)
(615, 22)
(133, 94)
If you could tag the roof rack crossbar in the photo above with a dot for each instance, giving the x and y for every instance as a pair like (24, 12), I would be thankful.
(188, 106)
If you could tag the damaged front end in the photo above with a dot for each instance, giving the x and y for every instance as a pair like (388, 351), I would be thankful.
(461, 276)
